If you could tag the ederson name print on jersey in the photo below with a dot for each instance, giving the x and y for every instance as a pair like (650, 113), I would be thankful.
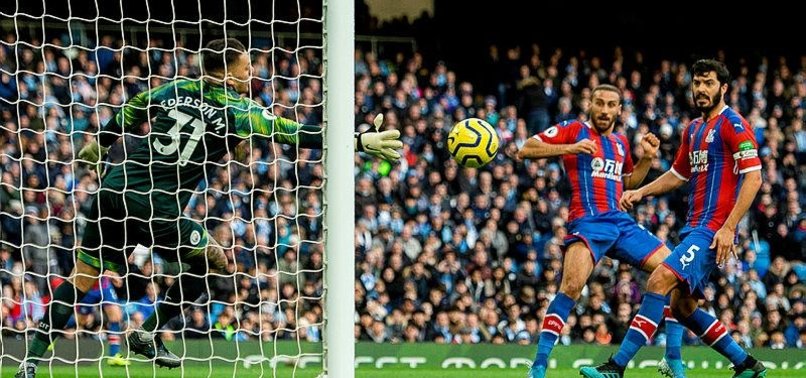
(598, 178)
(208, 112)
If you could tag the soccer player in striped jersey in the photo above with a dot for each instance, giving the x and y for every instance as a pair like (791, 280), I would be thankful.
(719, 159)
(599, 164)
(194, 123)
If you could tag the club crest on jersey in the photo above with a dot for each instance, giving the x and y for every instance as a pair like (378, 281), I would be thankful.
(606, 168)
(619, 149)
(195, 237)
(710, 137)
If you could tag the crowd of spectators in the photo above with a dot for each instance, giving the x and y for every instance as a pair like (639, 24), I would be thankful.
(443, 253)
(477, 252)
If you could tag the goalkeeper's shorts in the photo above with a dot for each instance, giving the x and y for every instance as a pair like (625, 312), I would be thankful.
(115, 226)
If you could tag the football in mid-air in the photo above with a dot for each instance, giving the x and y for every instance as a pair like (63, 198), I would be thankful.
(473, 142)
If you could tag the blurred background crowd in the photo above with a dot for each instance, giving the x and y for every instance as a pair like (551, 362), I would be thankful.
(444, 253)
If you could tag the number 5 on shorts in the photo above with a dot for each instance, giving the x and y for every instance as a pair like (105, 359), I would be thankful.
(686, 259)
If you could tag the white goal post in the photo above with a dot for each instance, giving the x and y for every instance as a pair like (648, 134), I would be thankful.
(339, 33)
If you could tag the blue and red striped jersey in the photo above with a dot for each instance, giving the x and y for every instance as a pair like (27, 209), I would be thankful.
(712, 158)
(596, 180)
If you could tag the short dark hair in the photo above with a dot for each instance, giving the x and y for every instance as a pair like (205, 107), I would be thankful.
(704, 66)
(220, 53)
(608, 87)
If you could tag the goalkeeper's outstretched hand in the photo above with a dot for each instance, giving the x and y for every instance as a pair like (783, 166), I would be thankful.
(383, 144)
(93, 153)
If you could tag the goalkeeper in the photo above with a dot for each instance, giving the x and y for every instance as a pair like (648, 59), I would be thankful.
(194, 123)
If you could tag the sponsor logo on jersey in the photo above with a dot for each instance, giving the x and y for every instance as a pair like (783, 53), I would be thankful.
(699, 161)
(606, 168)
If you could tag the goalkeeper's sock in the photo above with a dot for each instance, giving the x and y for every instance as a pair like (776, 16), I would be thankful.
(674, 335)
(56, 316)
(642, 328)
(715, 334)
(186, 288)
(114, 338)
(553, 324)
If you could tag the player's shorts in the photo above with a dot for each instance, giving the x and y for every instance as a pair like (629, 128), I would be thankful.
(104, 296)
(115, 226)
(692, 261)
(616, 235)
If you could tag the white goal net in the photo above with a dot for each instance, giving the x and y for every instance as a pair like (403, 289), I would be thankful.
(65, 69)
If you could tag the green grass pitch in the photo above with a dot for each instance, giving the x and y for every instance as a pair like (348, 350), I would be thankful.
(220, 369)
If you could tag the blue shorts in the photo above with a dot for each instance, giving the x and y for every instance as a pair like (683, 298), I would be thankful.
(616, 235)
(692, 261)
(104, 296)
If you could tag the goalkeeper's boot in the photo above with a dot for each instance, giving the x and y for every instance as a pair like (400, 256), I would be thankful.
(750, 368)
(537, 371)
(672, 368)
(608, 369)
(118, 360)
(26, 370)
(151, 346)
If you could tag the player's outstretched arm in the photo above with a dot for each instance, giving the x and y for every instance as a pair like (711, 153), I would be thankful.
(382, 144)
(536, 149)
(665, 183)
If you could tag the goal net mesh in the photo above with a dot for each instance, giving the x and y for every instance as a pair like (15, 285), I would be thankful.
(65, 70)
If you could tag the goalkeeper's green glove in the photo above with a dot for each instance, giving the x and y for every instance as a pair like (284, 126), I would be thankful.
(381, 144)
(93, 153)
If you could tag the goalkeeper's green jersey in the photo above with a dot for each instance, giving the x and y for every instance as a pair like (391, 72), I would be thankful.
(193, 124)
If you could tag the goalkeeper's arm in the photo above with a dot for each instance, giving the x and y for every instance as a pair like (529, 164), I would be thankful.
(381, 144)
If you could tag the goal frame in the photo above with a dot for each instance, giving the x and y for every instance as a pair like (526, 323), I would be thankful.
(339, 199)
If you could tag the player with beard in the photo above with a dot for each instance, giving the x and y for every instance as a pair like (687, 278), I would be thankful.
(599, 164)
(719, 159)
